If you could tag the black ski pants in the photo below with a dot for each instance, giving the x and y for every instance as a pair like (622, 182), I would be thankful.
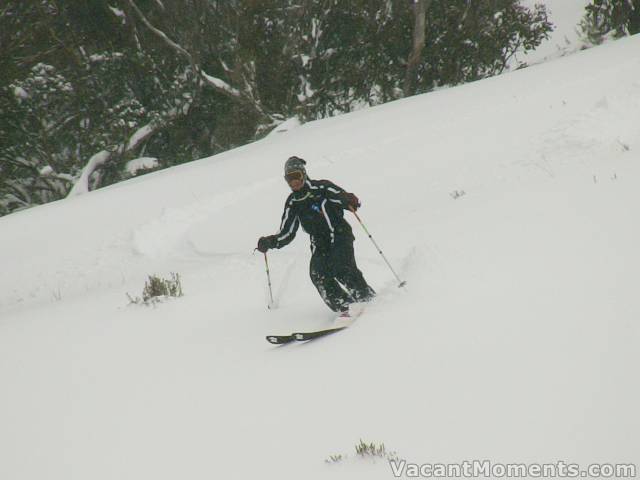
(334, 272)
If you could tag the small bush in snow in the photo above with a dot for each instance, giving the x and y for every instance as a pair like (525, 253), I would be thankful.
(334, 458)
(366, 450)
(160, 287)
(372, 450)
(157, 288)
(456, 194)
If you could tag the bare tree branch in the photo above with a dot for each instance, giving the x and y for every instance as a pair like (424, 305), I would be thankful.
(160, 33)
(217, 83)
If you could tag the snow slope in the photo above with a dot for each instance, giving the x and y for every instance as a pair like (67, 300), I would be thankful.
(509, 205)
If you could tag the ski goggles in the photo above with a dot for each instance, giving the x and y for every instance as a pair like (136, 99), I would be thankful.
(291, 176)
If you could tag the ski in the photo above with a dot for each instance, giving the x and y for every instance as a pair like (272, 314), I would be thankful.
(338, 324)
(304, 336)
(280, 339)
(301, 336)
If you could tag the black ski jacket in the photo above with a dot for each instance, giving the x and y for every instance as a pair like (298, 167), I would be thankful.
(319, 207)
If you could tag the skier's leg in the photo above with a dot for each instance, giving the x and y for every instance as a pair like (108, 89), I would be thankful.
(322, 277)
(348, 273)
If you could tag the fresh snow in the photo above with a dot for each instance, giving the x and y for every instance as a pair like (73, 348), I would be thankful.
(509, 205)
(222, 85)
(20, 93)
(117, 12)
(82, 184)
(142, 163)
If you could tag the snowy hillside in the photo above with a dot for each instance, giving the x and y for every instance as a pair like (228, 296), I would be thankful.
(509, 205)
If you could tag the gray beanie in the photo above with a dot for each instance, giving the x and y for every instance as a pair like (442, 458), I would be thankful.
(295, 164)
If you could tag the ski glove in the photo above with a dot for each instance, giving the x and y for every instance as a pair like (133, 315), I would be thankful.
(266, 243)
(351, 200)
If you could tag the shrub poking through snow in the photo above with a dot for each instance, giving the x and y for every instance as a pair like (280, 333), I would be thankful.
(157, 288)
(334, 458)
(366, 450)
(372, 450)
(160, 287)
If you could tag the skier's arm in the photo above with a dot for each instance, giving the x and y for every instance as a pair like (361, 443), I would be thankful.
(288, 229)
(288, 226)
(340, 196)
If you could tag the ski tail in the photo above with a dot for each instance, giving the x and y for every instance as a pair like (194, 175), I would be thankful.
(280, 339)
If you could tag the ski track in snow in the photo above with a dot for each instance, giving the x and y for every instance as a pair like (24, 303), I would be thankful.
(610, 127)
(169, 234)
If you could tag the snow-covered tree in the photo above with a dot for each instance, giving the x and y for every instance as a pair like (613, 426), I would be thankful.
(366, 53)
(615, 18)
(86, 87)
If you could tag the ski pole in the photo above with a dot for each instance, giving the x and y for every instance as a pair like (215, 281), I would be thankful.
(266, 263)
(401, 283)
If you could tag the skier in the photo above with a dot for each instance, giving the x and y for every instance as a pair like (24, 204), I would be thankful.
(318, 205)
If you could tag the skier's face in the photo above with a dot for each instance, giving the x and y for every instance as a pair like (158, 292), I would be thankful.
(295, 180)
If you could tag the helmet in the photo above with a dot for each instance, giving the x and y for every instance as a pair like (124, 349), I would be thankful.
(295, 164)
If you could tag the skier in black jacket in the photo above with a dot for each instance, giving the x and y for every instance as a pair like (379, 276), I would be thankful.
(318, 205)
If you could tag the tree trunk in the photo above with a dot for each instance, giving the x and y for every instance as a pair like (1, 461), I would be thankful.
(634, 17)
(419, 33)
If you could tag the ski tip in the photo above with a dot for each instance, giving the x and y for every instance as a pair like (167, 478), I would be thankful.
(402, 284)
(305, 336)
